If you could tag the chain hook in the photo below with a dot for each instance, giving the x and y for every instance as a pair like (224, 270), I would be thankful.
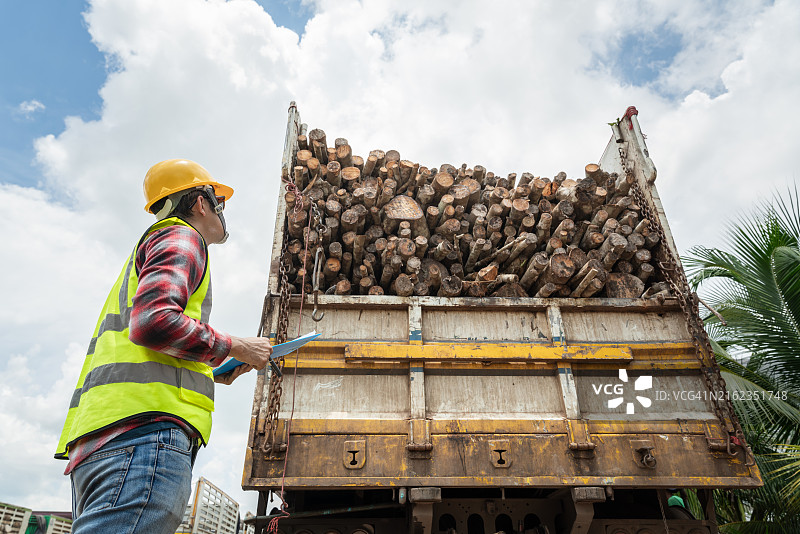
(315, 314)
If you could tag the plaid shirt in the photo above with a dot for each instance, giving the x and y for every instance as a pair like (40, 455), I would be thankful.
(171, 263)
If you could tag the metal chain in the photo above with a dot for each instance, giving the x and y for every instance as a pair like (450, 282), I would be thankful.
(276, 380)
(688, 301)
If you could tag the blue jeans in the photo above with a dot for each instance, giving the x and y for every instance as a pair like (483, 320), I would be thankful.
(134, 485)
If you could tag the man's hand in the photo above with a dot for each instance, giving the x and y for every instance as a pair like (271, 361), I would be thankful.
(230, 376)
(254, 351)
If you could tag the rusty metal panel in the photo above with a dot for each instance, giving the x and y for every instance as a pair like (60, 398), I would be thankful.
(459, 460)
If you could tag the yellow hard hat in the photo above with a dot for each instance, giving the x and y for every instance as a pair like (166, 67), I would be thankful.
(174, 175)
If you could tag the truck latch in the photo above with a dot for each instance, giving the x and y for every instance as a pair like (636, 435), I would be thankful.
(419, 439)
(580, 443)
(275, 448)
(728, 444)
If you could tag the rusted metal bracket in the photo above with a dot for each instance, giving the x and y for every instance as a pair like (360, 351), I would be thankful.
(583, 499)
(580, 443)
(720, 441)
(422, 501)
(278, 450)
(419, 439)
(643, 453)
(728, 445)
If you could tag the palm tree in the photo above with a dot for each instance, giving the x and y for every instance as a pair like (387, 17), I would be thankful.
(755, 286)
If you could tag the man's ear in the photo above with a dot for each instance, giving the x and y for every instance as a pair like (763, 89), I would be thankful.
(199, 208)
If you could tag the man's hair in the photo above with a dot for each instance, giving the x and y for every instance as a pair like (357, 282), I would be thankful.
(184, 207)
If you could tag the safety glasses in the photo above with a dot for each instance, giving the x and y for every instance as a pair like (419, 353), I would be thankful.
(217, 202)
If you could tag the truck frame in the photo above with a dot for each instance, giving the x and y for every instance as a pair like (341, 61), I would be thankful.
(481, 415)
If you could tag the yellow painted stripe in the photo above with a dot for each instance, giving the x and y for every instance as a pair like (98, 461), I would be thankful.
(499, 426)
(482, 351)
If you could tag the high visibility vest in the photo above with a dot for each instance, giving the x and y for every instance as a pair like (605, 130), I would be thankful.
(121, 380)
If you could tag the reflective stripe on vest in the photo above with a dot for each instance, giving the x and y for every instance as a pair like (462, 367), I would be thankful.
(121, 380)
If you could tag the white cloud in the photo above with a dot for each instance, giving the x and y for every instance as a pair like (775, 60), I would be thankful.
(29, 107)
(511, 88)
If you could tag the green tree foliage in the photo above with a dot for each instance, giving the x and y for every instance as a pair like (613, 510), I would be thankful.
(754, 283)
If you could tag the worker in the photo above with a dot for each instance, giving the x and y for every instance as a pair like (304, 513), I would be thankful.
(675, 498)
(143, 403)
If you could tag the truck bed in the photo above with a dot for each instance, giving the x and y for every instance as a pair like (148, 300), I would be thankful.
(470, 396)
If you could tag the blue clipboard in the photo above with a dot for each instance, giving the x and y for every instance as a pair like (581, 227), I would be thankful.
(277, 351)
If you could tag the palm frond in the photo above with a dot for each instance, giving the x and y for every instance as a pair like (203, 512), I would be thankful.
(754, 283)
(761, 409)
(789, 468)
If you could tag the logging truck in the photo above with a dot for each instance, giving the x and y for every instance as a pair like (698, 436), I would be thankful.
(497, 354)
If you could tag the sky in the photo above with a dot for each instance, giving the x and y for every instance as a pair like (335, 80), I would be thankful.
(95, 92)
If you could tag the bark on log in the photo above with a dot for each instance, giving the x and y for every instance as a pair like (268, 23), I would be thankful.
(421, 289)
(488, 273)
(519, 208)
(559, 270)
(331, 268)
(610, 259)
(403, 286)
(343, 287)
(536, 266)
(546, 290)
(333, 174)
(405, 208)
(537, 188)
(399, 218)
(431, 273)
(565, 230)
(594, 287)
(615, 243)
(298, 220)
(318, 143)
(593, 171)
(421, 244)
(425, 195)
(450, 287)
(645, 271)
(511, 290)
(623, 286)
(344, 155)
(543, 227)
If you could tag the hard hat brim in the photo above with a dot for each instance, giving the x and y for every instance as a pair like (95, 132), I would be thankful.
(223, 190)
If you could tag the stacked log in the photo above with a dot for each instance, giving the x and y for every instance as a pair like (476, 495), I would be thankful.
(387, 225)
